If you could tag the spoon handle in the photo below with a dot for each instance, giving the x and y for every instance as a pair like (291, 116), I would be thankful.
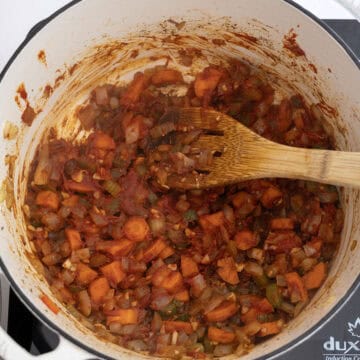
(325, 166)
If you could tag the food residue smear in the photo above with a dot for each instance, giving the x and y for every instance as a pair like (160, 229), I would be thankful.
(42, 57)
(200, 273)
(290, 43)
(29, 113)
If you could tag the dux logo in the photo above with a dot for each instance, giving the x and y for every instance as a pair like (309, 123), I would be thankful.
(354, 329)
(345, 347)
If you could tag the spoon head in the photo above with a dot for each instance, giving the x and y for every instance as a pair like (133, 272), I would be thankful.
(227, 140)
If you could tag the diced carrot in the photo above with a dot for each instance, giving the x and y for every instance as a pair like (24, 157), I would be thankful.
(221, 336)
(250, 316)
(244, 201)
(103, 141)
(113, 272)
(212, 221)
(84, 274)
(270, 328)
(153, 250)
(189, 267)
(81, 187)
(136, 228)
(166, 76)
(134, 90)
(74, 239)
(281, 224)
(116, 248)
(123, 316)
(182, 295)
(48, 199)
(222, 312)
(160, 275)
(50, 304)
(315, 277)
(71, 201)
(246, 239)
(206, 81)
(264, 306)
(167, 252)
(171, 326)
(98, 290)
(173, 282)
(271, 197)
(284, 118)
(227, 270)
(296, 287)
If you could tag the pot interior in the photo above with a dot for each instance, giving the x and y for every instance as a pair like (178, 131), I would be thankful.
(100, 43)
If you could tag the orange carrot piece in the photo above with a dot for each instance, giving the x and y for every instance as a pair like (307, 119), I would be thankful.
(153, 250)
(206, 81)
(48, 199)
(315, 277)
(84, 274)
(189, 267)
(221, 336)
(173, 282)
(282, 224)
(98, 290)
(136, 228)
(250, 316)
(134, 90)
(222, 312)
(167, 252)
(246, 239)
(81, 187)
(74, 239)
(50, 304)
(71, 201)
(182, 295)
(166, 76)
(296, 286)
(123, 316)
(113, 272)
(160, 275)
(270, 328)
(171, 326)
(116, 248)
(227, 270)
(103, 141)
(264, 306)
(243, 199)
(212, 221)
(271, 197)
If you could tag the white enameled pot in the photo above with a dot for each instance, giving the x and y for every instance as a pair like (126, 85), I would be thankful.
(70, 36)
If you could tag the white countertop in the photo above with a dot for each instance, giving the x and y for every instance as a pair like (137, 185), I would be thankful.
(17, 17)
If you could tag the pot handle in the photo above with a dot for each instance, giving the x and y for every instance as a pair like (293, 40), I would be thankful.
(11, 350)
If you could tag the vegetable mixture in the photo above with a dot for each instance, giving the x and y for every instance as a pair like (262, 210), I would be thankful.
(196, 273)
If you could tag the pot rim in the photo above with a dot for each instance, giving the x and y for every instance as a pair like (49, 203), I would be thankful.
(43, 318)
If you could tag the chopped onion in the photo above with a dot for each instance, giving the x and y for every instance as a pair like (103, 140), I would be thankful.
(223, 349)
(328, 197)
(198, 284)
(137, 345)
(160, 299)
(43, 169)
(101, 95)
(253, 269)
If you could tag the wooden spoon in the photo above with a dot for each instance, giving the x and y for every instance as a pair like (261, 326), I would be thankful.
(246, 155)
